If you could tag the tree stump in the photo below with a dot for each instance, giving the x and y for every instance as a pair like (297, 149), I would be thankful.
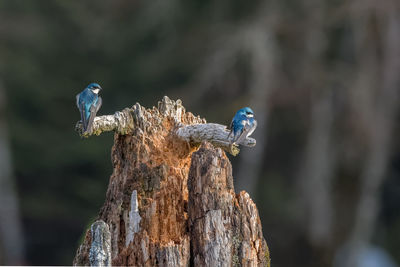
(170, 199)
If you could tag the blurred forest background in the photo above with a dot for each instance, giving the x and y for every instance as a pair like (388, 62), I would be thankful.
(322, 76)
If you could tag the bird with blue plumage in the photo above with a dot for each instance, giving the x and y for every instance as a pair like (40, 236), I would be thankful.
(242, 126)
(89, 103)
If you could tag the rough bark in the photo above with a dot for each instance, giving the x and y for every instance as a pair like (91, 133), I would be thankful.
(225, 228)
(156, 217)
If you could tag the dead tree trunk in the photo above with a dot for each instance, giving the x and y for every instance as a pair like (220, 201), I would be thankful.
(170, 200)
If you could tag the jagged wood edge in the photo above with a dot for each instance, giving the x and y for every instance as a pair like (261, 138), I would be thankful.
(124, 122)
(100, 249)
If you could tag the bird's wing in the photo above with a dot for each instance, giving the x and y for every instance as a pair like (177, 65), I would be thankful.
(247, 130)
(253, 127)
(99, 103)
(230, 127)
(93, 111)
(81, 106)
(77, 100)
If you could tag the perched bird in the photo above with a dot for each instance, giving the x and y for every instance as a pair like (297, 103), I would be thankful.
(243, 125)
(89, 102)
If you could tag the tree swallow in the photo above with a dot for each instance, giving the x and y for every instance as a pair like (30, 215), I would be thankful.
(89, 102)
(242, 125)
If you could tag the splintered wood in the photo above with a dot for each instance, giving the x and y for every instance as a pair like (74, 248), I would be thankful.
(225, 228)
(170, 201)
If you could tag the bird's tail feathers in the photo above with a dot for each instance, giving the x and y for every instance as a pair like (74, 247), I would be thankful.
(229, 136)
(89, 126)
(83, 120)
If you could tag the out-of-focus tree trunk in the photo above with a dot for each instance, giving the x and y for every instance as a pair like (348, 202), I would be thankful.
(317, 174)
(11, 240)
(171, 203)
(382, 115)
(261, 46)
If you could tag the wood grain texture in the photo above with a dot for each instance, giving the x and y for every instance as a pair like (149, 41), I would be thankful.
(155, 218)
(225, 228)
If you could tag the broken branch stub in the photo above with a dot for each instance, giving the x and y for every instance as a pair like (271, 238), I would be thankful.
(194, 131)
(225, 228)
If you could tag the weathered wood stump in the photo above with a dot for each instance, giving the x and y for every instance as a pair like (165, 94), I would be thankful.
(170, 200)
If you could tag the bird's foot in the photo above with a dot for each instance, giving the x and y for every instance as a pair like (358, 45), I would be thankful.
(234, 149)
(87, 133)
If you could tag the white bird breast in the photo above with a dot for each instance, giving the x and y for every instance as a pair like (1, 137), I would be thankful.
(96, 91)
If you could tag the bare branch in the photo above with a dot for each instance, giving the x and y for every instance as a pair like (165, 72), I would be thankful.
(189, 128)
(214, 133)
(120, 122)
